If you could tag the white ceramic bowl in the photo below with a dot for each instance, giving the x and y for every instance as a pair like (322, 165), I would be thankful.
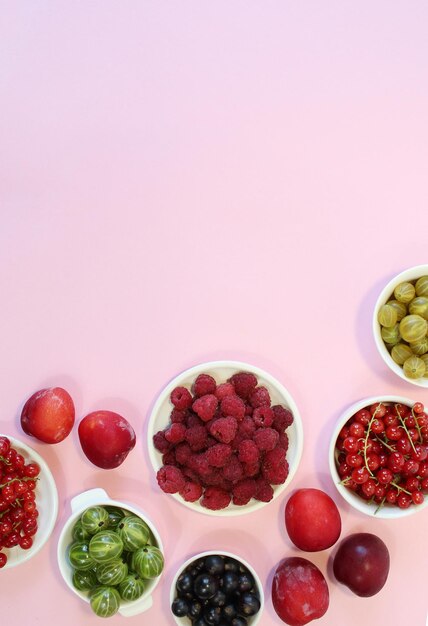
(46, 501)
(98, 497)
(221, 371)
(387, 511)
(252, 621)
(386, 294)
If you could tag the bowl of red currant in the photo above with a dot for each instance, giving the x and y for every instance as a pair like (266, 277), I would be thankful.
(379, 456)
(28, 502)
(225, 438)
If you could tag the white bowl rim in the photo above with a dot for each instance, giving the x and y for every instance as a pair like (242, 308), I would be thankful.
(26, 555)
(193, 371)
(412, 273)
(226, 554)
(104, 499)
(386, 512)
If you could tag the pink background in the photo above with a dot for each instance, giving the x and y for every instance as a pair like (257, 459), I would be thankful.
(190, 181)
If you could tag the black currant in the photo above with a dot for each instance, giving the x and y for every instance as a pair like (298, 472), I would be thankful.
(214, 565)
(205, 586)
(249, 604)
(180, 607)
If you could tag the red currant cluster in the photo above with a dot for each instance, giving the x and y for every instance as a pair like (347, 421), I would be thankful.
(18, 509)
(382, 454)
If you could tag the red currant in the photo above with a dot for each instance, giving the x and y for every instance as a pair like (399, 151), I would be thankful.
(384, 476)
(3, 559)
(362, 417)
(404, 500)
(378, 426)
(410, 467)
(354, 460)
(32, 470)
(369, 487)
(25, 542)
(394, 433)
(403, 445)
(391, 496)
(360, 475)
(350, 444)
(390, 420)
(373, 462)
(418, 407)
(417, 497)
(396, 461)
(356, 430)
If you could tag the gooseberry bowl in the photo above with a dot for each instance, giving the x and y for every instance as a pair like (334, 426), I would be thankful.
(99, 498)
(222, 371)
(46, 503)
(387, 294)
(379, 508)
(194, 566)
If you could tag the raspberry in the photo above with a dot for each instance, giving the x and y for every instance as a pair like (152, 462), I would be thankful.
(170, 479)
(205, 407)
(233, 470)
(177, 416)
(274, 457)
(199, 464)
(248, 409)
(223, 390)
(160, 443)
(169, 458)
(283, 441)
(243, 491)
(211, 441)
(234, 444)
(196, 437)
(191, 492)
(275, 466)
(264, 491)
(193, 420)
(266, 438)
(215, 477)
(233, 406)
(175, 433)
(224, 429)
(181, 398)
(215, 498)
(263, 416)
(203, 385)
(283, 418)
(251, 469)
(248, 452)
(182, 453)
(276, 476)
(244, 383)
(259, 397)
(219, 454)
(247, 427)
(190, 475)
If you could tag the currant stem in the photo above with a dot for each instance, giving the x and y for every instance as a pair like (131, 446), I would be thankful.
(367, 437)
(385, 444)
(405, 428)
(380, 505)
(417, 426)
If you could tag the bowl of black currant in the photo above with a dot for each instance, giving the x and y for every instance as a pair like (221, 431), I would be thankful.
(216, 589)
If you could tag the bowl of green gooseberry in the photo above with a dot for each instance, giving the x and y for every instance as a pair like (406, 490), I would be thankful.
(110, 555)
(400, 325)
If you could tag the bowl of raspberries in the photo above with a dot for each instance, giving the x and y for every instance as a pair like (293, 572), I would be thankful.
(224, 437)
(379, 456)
